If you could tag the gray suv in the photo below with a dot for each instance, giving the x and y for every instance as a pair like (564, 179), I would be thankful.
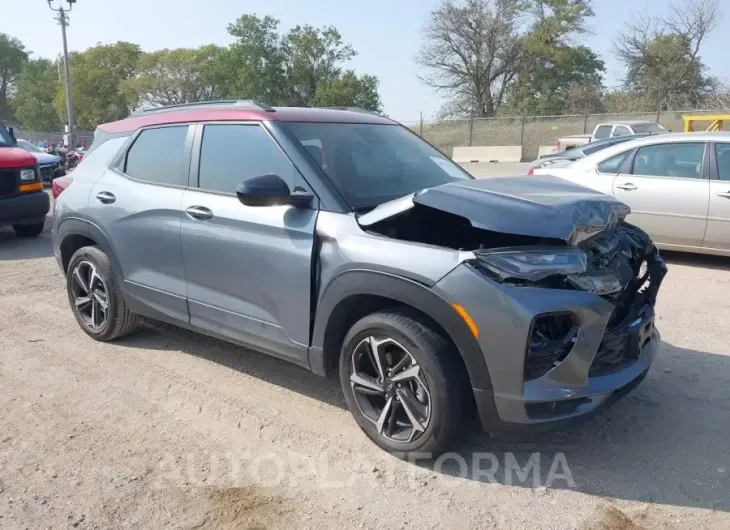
(340, 241)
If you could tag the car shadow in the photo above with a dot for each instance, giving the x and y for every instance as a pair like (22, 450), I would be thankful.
(16, 248)
(665, 443)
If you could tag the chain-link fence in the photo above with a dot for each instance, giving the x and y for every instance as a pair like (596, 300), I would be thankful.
(83, 138)
(532, 131)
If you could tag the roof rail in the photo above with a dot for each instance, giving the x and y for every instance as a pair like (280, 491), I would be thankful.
(353, 109)
(248, 103)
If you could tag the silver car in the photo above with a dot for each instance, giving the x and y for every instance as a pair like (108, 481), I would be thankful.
(677, 185)
(342, 242)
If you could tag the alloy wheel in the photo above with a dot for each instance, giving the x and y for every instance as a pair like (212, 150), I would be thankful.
(389, 389)
(90, 295)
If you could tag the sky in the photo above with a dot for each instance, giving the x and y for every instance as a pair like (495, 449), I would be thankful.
(385, 33)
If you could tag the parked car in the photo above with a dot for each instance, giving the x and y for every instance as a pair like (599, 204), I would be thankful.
(677, 185)
(603, 131)
(342, 242)
(23, 204)
(50, 165)
(574, 154)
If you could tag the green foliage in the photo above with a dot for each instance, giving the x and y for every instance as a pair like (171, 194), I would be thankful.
(183, 75)
(349, 90)
(36, 90)
(13, 57)
(97, 84)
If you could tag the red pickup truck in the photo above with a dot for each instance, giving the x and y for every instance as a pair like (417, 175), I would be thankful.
(23, 203)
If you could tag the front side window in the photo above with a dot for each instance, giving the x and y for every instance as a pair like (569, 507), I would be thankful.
(620, 130)
(5, 139)
(232, 153)
(370, 164)
(649, 128)
(157, 156)
(613, 165)
(680, 160)
(722, 155)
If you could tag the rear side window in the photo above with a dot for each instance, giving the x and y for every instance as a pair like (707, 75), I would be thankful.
(620, 130)
(157, 156)
(232, 153)
(722, 155)
(603, 132)
(680, 160)
(613, 165)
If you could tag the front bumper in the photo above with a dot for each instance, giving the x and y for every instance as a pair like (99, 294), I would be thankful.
(504, 315)
(26, 208)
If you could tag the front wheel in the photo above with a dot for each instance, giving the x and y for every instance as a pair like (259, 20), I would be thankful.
(403, 384)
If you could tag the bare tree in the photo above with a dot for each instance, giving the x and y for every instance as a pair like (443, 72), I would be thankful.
(661, 54)
(470, 53)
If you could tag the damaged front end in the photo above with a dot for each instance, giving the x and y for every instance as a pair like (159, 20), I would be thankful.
(621, 265)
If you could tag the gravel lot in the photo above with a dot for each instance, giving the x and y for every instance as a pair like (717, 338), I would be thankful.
(171, 428)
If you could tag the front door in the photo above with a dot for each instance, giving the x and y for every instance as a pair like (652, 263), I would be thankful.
(249, 269)
(667, 188)
(718, 217)
(137, 206)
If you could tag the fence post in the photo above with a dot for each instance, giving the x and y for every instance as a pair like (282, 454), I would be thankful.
(420, 129)
(522, 130)
(585, 122)
(471, 130)
(658, 115)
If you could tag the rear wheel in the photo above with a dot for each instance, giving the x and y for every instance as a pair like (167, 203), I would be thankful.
(402, 384)
(95, 296)
(33, 230)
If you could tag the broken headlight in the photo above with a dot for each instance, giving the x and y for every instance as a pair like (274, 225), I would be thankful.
(533, 265)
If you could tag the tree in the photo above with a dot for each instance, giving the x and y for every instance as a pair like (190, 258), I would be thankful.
(169, 77)
(661, 55)
(37, 87)
(312, 57)
(301, 68)
(13, 57)
(349, 90)
(470, 52)
(98, 85)
(551, 69)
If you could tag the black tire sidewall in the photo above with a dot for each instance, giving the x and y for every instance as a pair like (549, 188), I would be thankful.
(433, 373)
(92, 255)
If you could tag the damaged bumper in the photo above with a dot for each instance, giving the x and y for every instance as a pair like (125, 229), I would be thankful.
(557, 353)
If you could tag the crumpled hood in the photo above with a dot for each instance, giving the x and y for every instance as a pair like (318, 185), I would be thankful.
(544, 207)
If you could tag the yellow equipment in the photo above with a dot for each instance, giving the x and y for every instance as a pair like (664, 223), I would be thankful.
(717, 121)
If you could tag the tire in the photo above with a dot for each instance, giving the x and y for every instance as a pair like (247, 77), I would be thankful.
(118, 321)
(440, 369)
(33, 230)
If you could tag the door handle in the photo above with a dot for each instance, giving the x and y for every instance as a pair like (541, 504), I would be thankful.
(628, 186)
(105, 197)
(201, 213)
(725, 194)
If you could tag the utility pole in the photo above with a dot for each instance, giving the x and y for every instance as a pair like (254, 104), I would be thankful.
(63, 21)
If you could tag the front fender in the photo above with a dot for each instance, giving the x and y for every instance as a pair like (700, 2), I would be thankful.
(401, 291)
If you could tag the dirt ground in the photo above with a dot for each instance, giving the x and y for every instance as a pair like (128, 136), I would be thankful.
(171, 429)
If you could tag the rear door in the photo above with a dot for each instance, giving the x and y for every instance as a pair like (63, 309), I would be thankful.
(718, 218)
(249, 269)
(667, 187)
(137, 205)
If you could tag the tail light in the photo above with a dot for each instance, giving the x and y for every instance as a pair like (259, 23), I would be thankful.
(59, 185)
(531, 171)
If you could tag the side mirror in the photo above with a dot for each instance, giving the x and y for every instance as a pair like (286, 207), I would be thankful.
(11, 132)
(271, 190)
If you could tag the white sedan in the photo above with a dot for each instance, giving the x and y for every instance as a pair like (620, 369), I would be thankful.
(677, 185)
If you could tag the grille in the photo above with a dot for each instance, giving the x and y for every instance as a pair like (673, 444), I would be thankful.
(8, 181)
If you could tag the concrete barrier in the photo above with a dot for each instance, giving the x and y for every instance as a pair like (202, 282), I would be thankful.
(488, 153)
(545, 150)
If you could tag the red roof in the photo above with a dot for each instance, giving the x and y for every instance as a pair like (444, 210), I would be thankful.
(233, 113)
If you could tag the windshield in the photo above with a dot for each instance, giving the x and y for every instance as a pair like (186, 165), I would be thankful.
(370, 164)
(5, 139)
(29, 146)
(652, 128)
